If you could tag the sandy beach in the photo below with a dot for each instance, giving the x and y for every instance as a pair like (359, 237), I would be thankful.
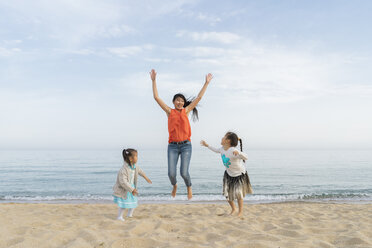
(295, 224)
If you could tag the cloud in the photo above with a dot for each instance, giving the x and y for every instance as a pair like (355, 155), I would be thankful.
(68, 21)
(200, 51)
(219, 37)
(203, 17)
(12, 42)
(212, 20)
(116, 31)
(158, 60)
(8, 52)
(249, 71)
(128, 51)
(167, 83)
(125, 51)
(76, 22)
(82, 51)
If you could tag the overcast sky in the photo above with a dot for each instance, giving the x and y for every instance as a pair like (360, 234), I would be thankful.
(287, 74)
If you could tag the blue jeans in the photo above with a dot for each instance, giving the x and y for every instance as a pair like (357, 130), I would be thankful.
(174, 151)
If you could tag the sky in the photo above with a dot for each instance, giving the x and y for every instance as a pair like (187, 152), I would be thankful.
(287, 74)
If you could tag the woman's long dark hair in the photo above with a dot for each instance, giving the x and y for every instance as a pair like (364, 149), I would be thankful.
(195, 115)
(128, 153)
(234, 139)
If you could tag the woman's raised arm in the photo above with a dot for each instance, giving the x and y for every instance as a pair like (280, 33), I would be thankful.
(161, 103)
(192, 105)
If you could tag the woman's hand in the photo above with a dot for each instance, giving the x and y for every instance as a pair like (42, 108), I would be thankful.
(236, 153)
(148, 180)
(192, 105)
(161, 103)
(208, 77)
(134, 192)
(153, 75)
(203, 143)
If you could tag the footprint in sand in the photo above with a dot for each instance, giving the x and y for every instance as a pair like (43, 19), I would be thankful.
(14, 241)
(288, 233)
(21, 230)
(165, 216)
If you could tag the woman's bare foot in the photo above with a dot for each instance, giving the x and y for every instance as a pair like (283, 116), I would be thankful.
(232, 211)
(240, 214)
(174, 191)
(189, 193)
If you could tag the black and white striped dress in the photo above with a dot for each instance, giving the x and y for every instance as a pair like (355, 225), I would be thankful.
(236, 183)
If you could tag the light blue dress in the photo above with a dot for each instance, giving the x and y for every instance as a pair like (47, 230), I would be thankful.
(131, 201)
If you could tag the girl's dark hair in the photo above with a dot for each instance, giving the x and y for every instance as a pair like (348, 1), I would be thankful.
(234, 139)
(128, 153)
(195, 116)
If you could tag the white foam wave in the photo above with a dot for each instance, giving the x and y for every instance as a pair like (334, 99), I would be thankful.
(255, 198)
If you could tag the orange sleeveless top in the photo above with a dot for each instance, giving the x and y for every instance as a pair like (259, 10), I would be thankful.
(178, 126)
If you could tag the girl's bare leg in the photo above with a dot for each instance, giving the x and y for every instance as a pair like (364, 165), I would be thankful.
(120, 214)
(240, 203)
(130, 212)
(232, 205)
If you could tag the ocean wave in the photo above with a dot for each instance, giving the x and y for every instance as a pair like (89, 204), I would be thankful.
(255, 198)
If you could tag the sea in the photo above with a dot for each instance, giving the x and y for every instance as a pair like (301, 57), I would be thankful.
(63, 176)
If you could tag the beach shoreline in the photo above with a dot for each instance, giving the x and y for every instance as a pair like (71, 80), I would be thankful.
(177, 201)
(288, 224)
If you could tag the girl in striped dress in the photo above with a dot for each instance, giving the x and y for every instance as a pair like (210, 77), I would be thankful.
(236, 182)
(125, 188)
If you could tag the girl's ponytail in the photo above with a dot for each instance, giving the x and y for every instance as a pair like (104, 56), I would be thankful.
(241, 146)
(234, 139)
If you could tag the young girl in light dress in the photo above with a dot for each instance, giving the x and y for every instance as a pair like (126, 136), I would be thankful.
(125, 188)
(236, 182)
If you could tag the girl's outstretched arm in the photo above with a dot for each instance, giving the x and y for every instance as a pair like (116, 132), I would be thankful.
(142, 174)
(147, 179)
(203, 143)
(161, 103)
(192, 105)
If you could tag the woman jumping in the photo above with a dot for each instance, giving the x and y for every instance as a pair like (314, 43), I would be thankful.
(179, 143)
